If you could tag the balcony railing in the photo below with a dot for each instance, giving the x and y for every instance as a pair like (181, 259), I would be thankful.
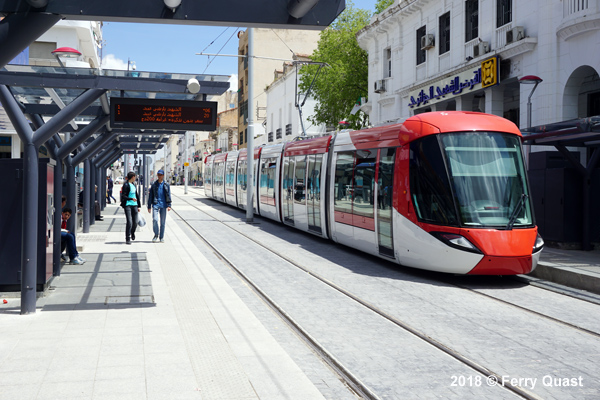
(469, 47)
(575, 6)
(501, 35)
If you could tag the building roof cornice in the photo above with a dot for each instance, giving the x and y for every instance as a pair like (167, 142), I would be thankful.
(390, 17)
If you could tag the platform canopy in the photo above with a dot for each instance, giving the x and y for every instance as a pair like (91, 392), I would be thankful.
(300, 14)
(44, 91)
(582, 132)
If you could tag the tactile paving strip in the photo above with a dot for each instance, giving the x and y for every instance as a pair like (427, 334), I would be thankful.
(218, 372)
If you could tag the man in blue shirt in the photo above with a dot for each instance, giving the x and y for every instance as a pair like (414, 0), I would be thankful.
(159, 199)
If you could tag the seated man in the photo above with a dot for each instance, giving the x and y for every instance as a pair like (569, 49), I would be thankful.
(68, 238)
(97, 215)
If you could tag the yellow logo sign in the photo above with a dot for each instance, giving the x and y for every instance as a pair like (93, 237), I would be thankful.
(187, 164)
(489, 72)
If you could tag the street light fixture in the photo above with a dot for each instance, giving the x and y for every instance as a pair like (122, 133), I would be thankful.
(66, 52)
(172, 4)
(130, 64)
(530, 80)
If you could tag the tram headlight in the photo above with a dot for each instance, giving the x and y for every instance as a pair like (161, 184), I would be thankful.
(456, 241)
(539, 244)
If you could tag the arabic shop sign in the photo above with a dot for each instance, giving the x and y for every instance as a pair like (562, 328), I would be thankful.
(481, 77)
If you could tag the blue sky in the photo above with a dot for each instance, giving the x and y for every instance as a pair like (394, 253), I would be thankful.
(173, 48)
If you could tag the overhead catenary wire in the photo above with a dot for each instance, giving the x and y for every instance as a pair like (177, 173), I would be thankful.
(222, 47)
(215, 39)
(283, 41)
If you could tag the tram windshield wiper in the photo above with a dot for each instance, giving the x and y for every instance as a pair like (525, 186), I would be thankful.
(517, 210)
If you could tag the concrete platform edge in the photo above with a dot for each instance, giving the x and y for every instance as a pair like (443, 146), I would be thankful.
(575, 279)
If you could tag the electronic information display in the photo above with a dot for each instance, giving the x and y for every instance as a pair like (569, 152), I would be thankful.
(184, 115)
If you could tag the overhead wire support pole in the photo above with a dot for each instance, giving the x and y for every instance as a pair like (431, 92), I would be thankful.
(185, 165)
(297, 97)
(250, 131)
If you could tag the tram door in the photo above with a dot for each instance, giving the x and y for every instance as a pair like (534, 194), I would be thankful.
(385, 187)
(289, 164)
(313, 192)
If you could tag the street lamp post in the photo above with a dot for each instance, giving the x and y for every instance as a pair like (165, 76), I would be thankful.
(530, 80)
(535, 81)
(67, 52)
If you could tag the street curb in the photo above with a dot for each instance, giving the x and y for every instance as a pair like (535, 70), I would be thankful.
(566, 276)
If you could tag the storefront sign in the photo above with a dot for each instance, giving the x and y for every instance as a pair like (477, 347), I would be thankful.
(484, 76)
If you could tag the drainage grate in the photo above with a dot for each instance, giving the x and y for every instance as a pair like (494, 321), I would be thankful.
(133, 299)
(129, 259)
(84, 237)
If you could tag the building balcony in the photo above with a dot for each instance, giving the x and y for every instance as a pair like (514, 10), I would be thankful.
(579, 16)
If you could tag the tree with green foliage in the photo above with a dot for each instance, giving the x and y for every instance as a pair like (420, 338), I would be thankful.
(345, 79)
(382, 5)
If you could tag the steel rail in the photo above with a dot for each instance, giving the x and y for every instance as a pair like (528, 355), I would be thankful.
(492, 377)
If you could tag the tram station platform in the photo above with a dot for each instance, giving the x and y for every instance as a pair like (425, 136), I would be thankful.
(142, 321)
(573, 268)
(158, 321)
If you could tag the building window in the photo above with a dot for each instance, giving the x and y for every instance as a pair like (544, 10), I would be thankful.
(288, 129)
(388, 63)
(278, 134)
(471, 20)
(420, 52)
(504, 12)
(445, 33)
(270, 136)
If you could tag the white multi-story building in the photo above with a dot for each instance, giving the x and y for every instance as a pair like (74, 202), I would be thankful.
(270, 47)
(283, 119)
(82, 36)
(444, 55)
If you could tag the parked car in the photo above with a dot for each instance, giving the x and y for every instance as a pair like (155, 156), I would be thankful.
(119, 181)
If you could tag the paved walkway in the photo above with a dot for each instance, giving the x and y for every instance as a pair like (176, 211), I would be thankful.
(145, 321)
(157, 321)
(575, 268)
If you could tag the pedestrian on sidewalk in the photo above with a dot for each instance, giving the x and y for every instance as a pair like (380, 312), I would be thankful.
(130, 201)
(159, 199)
(109, 189)
(68, 238)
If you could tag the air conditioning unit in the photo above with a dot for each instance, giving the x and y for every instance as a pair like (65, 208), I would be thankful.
(515, 34)
(379, 86)
(481, 49)
(427, 41)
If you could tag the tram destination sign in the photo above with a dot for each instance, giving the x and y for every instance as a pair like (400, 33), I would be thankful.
(185, 115)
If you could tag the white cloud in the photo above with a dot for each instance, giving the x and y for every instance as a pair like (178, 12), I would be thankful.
(233, 83)
(112, 62)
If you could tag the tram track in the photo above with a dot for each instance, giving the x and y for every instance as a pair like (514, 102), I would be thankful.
(346, 376)
(452, 283)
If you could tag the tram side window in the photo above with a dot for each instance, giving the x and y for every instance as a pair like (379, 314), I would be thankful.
(219, 169)
(208, 175)
(286, 182)
(230, 176)
(242, 176)
(429, 185)
(364, 183)
(267, 181)
(386, 179)
(300, 179)
(344, 168)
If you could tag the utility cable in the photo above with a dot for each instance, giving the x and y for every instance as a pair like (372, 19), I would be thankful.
(215, 39)
(219, 52)
(282, 41)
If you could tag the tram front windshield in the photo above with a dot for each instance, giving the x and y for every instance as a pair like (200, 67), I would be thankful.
(479, 175)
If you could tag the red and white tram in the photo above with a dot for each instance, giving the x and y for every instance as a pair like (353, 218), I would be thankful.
(443, 191)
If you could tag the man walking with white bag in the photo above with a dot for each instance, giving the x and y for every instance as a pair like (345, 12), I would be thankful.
(159, 200)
